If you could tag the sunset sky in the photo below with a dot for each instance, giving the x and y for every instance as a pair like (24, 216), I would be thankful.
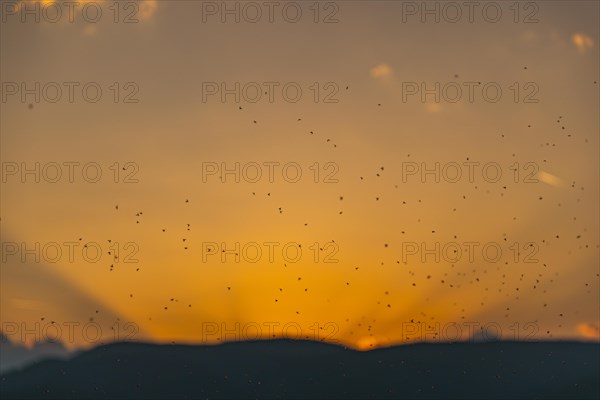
(367, 132)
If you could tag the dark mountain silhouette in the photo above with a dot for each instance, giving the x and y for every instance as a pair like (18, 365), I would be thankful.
(300, 369)
(14, 356)
(47, 297)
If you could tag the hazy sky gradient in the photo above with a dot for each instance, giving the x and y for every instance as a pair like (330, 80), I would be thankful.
(171, 132)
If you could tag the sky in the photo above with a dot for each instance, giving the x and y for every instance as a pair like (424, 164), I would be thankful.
(360, 172)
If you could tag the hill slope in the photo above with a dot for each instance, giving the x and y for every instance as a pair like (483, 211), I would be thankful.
(297, 369)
